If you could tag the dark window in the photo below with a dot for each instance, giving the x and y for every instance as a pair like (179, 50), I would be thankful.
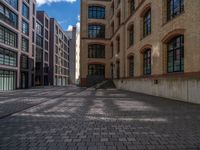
(33, 9)
(174, 8)
(118, 70)
(131, 35)
(46, 45)
(96, 51)
(33, 23)
(13, 3)
(112, 50)
(147, 23)
(175, 55)
(39, 29)
(46, 56)
(7, 80)
(39, 55)
(33, 50)
(8, 57)
(96, 12)
(24, 62)
(33, 37)
(132, 6)
(8, 37)
(147, 62)
(25, 27)
(131, 66)
(8, 16)
(96, 70)
(39, 41)
(119, 19)
(25, 11)
(96, 31)
(118, 44)
(25, 44)
(46, 34)
(46, 22)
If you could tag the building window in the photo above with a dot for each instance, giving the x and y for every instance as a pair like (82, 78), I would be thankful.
(25, 27)
(131, 66)
(46, 23)
(46, 34)
(24, 62)
(112, 50)
(118, 70)
(25, 44)
(46, 56)
(96, 31)
(8, 57)
(147, 62)
(131, 35)
(39, 41)
(8, 37)
(13, 3)
(132, 6)
(25, 11)
(96, 12)
(96, 70)
(33, 37)
(39, 29)
(174, 8)
(119, 19)
(96, 51)
(175, 55)
(118, 44)
(46, 45)
(8, 16)
(147, 23)
(7, 80)
(33, 23)
(33, 9)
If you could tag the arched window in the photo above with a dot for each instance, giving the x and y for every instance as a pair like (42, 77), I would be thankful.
(96, 12)
(96, 31)
(131, 66)
(175, 54)
(147, 62)
(147, 23)
(174, 8)
(96, 51)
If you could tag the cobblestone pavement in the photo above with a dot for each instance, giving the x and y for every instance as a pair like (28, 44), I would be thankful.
(73, 118)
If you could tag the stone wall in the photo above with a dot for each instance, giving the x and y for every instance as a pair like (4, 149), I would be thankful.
(187, 90)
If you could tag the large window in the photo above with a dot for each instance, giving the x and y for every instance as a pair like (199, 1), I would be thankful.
(118, 44)
(25, 27)
(8, 37)
(175, 55)
(96, 31)
(39, 41)
(96, 12)
(147, 23)
(96, 51)
(7, 80)
(25, 11)
(131, 66)
(8, 57)
(13, 3)
(174, 8)
(147, 62)
(8, 16)
(25, 44)
(96, 70)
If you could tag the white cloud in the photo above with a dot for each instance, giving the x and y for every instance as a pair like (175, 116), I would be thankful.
(78, 17)
(41, 2)
(70, 27)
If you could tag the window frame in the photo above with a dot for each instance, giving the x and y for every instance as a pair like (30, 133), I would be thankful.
(94, 12)
(147, 62)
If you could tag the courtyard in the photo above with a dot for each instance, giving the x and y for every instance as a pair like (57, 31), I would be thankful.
(73, 118)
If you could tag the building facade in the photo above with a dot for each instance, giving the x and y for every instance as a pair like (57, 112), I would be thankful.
(72, 53)
(17, 30)
(95, 42)
(153, 45)
(42, 49)
(59, 55)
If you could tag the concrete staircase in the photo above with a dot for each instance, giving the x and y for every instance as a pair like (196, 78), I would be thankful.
(106, 84)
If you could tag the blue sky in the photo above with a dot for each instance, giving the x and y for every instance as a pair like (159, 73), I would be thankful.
(66, 12)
